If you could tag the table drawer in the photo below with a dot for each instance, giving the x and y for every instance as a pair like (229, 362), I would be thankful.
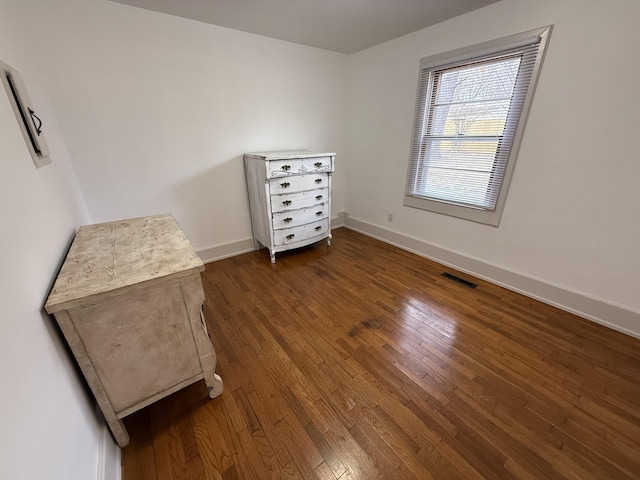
(302, 232)
(297, 183)
(293, 218)
(299, 166)
(295, 201)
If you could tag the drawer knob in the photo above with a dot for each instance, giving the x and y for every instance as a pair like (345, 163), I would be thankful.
(318, 228)
(317, 164)
(318, 180)
(318, 197)
(288, 220)
(286, 168)
(290, 236)
(319, 214)
(285, 185)
(287, 202)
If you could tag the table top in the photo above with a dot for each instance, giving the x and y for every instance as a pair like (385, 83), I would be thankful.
(288, 154)
(108, 257)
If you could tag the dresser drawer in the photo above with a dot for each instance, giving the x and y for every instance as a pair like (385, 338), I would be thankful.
(297, 183)
(301, 233)
(299, 166)
(295, 201)
(293, 218)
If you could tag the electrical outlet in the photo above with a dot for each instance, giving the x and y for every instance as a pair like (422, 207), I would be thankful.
(390, 217)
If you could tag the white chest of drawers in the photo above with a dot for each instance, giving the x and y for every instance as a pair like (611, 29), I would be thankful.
(290, 198)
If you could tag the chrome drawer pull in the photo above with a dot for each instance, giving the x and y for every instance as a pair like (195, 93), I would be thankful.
(319, 214)
(287, 202)
(318, 228)
(286, 168)
(288, 220)
(318, 180)
(285, 185)
(317, 164)
(318, 197)
(290, 236)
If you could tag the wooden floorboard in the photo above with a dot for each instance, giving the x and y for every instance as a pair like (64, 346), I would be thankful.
(360, 361)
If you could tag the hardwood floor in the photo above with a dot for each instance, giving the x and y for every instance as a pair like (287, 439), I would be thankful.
(360, 361)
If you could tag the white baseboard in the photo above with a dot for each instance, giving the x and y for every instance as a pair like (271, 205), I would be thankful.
(109, 460)
(597, 310)
(219, 252)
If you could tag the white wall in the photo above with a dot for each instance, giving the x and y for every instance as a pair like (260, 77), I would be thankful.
(157, 110)
(571, 217)
(48, 425)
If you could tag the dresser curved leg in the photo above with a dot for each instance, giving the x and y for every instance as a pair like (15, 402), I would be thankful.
(194, 299)
(215, 386)
(273, 256)
(329, 240)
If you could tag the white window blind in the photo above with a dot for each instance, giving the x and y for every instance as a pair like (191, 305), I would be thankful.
(468, 115)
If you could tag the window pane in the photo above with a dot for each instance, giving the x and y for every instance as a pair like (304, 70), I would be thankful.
(471, 101)
(457, 186)
(461, 154)
(485, 81)
(478, 118)
(459, 170)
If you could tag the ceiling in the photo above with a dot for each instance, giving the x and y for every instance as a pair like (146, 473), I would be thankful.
(345, 26)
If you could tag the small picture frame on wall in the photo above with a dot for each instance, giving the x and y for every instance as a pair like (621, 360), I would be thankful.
(30, 123)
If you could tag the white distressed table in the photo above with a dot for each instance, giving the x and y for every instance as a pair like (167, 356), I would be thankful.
(128, 300)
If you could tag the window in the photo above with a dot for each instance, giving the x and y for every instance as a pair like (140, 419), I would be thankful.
(470, 114)
(30, 123)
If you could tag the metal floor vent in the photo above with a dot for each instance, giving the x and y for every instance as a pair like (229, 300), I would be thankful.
(461, 281)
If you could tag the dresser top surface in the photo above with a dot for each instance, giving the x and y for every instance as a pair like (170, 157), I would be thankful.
(285, 155)
(107, 257)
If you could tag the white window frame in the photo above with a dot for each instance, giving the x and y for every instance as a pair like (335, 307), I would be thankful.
(29, 122)
(460, 57)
